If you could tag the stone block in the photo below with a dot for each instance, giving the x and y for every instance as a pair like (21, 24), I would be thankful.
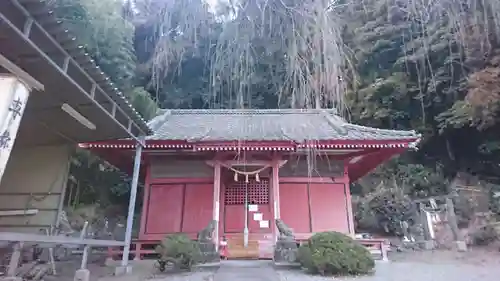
(82, 275)
(285, 251)
(460, 246)
(428, 245)
(123, 270)
(209, 252)
(109, 262)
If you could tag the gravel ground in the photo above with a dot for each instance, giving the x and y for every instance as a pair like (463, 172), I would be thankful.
(477, 264)
(246, 271)
(409, 271)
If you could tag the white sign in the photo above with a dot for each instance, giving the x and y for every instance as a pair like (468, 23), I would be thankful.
(13, 98)
(253, 208)
(257, 216)
(264, 224)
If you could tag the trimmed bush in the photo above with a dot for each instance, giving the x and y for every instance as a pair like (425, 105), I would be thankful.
(179, 251)
(333, 253)
(304, 256)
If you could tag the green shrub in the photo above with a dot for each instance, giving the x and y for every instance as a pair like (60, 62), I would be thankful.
(485, 236)
(178, 250)
(333, 253)
(304, 255)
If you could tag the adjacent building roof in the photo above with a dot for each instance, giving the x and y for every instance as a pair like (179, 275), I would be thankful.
(264, 125)
(43, 14)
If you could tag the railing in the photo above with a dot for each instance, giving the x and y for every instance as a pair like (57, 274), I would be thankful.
(139, 249)
(376, 246)
(136, 249)
(20, 240)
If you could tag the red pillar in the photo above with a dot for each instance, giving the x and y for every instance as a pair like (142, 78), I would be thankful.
(216, 200)
(275, 183)
(348, 199)
(144, 212)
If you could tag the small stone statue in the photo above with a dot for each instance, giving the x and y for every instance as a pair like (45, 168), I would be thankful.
(285, 232)
(286, 246)
(208, 249)
(205, 234)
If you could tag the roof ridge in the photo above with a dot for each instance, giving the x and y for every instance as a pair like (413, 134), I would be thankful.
(157, 121)
(337, 126)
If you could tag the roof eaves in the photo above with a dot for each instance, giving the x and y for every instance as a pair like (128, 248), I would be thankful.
(248, 111)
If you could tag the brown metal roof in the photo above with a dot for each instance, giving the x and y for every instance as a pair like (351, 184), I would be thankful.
(42, 12)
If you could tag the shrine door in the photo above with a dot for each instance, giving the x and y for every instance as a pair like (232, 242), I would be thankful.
(248, 205)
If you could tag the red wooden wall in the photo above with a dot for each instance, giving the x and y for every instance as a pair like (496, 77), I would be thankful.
(175, 207)
(314, 207)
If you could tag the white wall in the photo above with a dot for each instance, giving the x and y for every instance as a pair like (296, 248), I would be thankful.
(34, 179)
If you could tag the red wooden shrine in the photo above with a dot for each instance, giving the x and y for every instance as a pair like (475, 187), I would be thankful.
(246, 168)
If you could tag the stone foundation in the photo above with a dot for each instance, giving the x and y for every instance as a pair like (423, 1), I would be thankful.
(82, 275)
(286, 251)
(209, 252)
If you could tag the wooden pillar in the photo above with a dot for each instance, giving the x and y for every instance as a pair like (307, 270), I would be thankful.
(13, 98)
(348, 199)
(452, 219)
(216, 200)
(14, 259)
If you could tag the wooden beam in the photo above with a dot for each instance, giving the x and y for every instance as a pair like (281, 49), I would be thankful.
(246, 162)
(66, 64)
(56, 240)
(14, 260)
(27, 27)
(9, 213)
(21, 74)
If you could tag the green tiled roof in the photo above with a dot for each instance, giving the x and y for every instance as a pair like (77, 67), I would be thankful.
(264, 125)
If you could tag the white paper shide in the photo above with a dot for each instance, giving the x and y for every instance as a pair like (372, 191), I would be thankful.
(253, 208)
(257, 216)
(264, 224)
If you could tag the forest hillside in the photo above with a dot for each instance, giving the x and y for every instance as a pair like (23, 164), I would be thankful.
(427, 65)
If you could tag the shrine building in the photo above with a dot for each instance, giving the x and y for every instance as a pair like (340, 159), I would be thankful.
(246, 168)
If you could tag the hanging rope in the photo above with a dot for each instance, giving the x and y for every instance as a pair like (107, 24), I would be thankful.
(34, 198)
(246, 173)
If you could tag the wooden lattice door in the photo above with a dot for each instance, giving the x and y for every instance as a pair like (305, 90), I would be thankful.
(235, 195)
(258, 193)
